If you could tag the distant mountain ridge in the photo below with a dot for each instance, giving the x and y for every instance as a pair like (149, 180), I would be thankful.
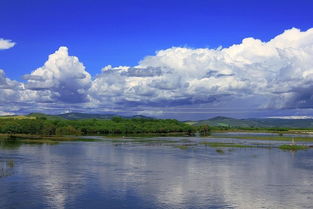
(78, 116)
(256, 122)
(215, 122)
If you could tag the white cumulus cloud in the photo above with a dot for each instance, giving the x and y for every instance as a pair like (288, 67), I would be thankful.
(274, 74)
(279, 70)
(6, 44)
(61, 79)
(9, 89)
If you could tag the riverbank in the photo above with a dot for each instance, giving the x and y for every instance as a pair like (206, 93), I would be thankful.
(260, 130)
(268, 136)
(183, 143)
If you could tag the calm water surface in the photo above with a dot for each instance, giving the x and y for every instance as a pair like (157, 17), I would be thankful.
(104, 175)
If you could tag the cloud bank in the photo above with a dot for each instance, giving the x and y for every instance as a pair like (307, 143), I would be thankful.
(254, 74)
(6, 44)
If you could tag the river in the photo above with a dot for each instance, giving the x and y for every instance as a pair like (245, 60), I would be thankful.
(135, 175)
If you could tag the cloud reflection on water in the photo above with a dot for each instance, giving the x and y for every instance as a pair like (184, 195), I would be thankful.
(96, 174)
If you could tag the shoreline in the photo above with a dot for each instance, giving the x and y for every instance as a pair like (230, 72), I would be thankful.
(157, 139)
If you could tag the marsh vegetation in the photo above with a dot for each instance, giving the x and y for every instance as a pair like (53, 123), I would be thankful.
(293, 147)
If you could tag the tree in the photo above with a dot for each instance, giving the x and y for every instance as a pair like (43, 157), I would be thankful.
(68, 130)
(204, 130)
(48, 129)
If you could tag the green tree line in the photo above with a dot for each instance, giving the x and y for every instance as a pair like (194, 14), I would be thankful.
(116, 125)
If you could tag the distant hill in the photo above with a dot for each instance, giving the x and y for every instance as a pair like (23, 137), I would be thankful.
(215, 122)
(78, 116)
(69, 116)
(42, 115)
(20, 117)
(257, 123)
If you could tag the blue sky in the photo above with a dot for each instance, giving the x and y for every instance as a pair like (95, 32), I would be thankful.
(123, 33)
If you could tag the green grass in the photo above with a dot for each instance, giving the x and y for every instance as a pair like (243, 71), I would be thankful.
(38, 141)
(183, 144)
(141, 140)
(147, 135)
(17, 117)
(38, 137)
(289, 131)
(7, 141)
(292, 147)
(220, 144)
(269, 138)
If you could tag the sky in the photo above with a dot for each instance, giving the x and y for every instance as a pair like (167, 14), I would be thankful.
(187, 60)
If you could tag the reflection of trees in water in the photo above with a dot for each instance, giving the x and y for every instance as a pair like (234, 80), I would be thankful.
(6, 167)
(9, 144)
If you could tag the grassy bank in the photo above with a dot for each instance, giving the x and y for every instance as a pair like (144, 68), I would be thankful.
(293, 147)
(270, 138)
(221, 144)
(183, 144)
(260, 130)
(19, 139)
(36, 137)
